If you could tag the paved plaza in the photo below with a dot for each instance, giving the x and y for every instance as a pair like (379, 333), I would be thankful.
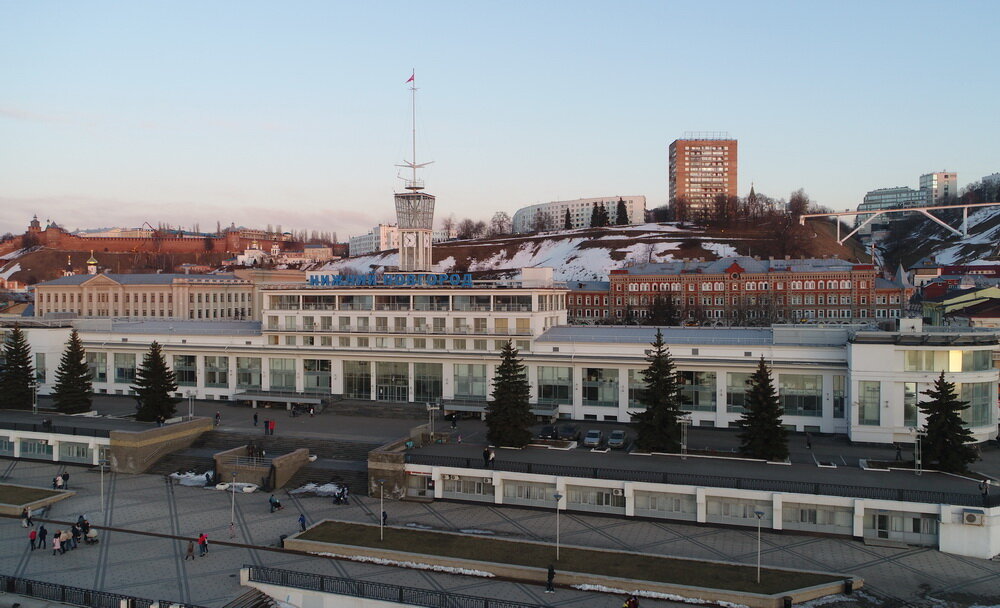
(152, 520)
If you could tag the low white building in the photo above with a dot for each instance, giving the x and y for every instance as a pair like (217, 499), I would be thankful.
(386, 236)
(526, 218)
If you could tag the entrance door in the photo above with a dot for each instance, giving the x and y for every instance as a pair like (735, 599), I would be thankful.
(882, 526)
(393, 392)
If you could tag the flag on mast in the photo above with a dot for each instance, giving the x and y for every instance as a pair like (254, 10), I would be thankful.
(411, 77)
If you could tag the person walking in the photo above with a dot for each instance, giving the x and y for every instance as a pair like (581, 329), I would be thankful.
(218, 418)
(56, 544)
(31, 522)
(255, 418)
(809, 441)
(65, 483)
(454, 421)
(43, 533)
(66, 541)
(33, 538)
(57, 483)
(273, 422)
(493, 459)
(24, 518)
(984, 488)
(899, 453)
(267, 423)
(202, 545)
(551, 577)
(302, 522)
(385, 518)
(75, 535)
(190, 551)
(486, 457)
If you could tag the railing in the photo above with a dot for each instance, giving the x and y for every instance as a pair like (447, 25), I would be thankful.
(55, 592)
(371, 590)
(51, 428)
(246, 461)
(422, 330)
(715, 481)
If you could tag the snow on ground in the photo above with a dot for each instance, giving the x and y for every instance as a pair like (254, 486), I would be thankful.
(13, 255)
(6, 274)
(190, 479)
(327, 489)
(476, 531)
(978, 244)
(720, 249)
(415, 565)
(656, 595)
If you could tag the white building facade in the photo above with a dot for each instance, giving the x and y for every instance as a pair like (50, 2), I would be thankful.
(386, 236)
(526, 218)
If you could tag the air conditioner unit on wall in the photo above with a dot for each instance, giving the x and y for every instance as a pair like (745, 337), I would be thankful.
(618, 492)
(973, 518)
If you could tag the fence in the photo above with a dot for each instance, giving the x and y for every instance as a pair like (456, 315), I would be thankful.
(370, 590)
(51, 428)
(81, 597)
(715, 481)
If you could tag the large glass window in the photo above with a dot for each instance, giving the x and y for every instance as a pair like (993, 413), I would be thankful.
(392, 379)
(910, 404)
(737, 385)
(282, 374)
(839, 396)
(186, 370)
(555, 385)
(977, 360)
(357, 379)
(124, 368)
(471, 303)
(600, 386)
(356, 302)
(801, 394)
(869, 398)
(636, 387)
(982, 399)
(217, 372)
(433, 302)
(921, 361)
(317, 374)
(248, 373)
(470, 381)
(97, 363)
(40, 368)
(697, 390)
(427, 381)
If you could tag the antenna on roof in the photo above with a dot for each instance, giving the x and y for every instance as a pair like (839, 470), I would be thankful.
(414, 184)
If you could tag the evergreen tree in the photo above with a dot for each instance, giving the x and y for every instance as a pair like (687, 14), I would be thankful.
(662, 312)
(17, 375)
(947, 441)
(621, 213)
(595, 217)
(567, 221)
(73, 389)
(603, 219)
(154, 383)
(658, 427)
(761, 433)
(508, 415)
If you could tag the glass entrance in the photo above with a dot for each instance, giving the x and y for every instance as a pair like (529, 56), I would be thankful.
(882, 526)
(392, 381)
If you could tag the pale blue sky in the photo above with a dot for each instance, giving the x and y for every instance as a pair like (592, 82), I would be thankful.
(294, 113)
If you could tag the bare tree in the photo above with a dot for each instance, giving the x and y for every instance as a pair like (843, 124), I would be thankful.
(541, 222)
(448, 224)
(499, 224)
(798, 203)
(466, 229)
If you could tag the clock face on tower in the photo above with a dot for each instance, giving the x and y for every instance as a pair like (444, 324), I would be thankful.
(409, 239)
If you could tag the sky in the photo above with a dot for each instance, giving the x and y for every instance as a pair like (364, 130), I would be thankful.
(295, 113)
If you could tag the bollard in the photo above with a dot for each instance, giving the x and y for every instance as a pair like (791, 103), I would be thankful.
(849, 586)
(281, 540)
(786, 601)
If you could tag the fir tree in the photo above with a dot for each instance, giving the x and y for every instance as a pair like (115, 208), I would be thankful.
(603, 220)
(595, 217)
(658, 427)
(761, 433)
(947, 441)
(154, 383)
(621, 213)
(17, 375)
(662, 312)
(508, 415)
(567, 221)
(73, 389)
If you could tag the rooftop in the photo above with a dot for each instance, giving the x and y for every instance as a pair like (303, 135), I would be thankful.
(748, 264)
(145, 279)
(168, 328)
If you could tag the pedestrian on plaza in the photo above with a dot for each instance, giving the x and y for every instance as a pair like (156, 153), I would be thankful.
(82, 518)
(218, 418)
(899, 453)
(25, 518)
(273, 422)
(302, 522)
(202, 545)
(255, 418)
(232, 529)
(43, 533)
(85, 527)
(64, 541)
(267, 426)
(190, 551)
(984, 488)
(454, 421)
(57, 483)
(460, 438)
(56, 544)
(275, 504)
(548, 581)
(347, 493)
(65, 483)
(33, 538)
(493, 459)
(312, 411)
(75, 536)
(809, 442)
(486, 457)
(31, 522)
(632, 602)
(385, 518)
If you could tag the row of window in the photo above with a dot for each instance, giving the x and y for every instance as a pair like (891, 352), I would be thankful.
(747, 285)
(521, 326)
(383, 342)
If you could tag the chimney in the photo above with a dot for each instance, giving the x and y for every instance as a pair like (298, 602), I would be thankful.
(788, 257)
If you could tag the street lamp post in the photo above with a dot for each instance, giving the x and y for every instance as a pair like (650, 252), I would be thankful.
(381, 509)
(190, 396)
(760, 515)
(558, 497)
(918, 452)
(232, 508)
(34, 397)
(685, 423)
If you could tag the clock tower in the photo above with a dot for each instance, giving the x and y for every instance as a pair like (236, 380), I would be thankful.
(415, 209)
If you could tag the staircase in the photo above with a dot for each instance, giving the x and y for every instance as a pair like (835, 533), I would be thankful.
(380, 409)
(182, 462)
(274, 445)
(253, 598)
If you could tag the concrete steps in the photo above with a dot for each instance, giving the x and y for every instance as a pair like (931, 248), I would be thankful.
(277, 444)
(356, 480)
(182, 462)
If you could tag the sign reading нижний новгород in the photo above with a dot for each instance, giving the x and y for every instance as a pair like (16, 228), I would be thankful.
(390, 280)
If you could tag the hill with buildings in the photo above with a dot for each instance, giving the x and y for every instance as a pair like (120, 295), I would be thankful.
(588, 254)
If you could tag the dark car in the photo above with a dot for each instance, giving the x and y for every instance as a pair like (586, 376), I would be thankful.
(618, 440)
(569, 432)
(548, 432)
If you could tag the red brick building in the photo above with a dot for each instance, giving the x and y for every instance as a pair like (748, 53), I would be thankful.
(744, 291)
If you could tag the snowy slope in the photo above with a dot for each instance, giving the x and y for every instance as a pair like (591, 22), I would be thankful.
(983, 239)
(576, 255)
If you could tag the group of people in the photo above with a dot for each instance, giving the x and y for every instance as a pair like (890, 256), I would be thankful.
(202, 547)
(489, 458)
(340, 497)
(254, 450)
(62, 540)
(60, 482)
(275, 504)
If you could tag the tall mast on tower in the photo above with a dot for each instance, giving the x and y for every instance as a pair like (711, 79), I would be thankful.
(414, 184)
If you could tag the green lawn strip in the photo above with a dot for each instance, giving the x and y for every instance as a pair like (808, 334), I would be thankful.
(17, 495)
(622, 565)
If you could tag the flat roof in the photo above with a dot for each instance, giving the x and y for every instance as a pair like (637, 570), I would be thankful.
(168, 328)
(145, 279)
(631, 334)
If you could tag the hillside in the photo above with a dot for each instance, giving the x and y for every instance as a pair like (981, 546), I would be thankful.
(40, 264)
(589, 254)
(917, 237)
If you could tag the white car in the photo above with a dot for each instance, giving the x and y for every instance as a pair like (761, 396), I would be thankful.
(593, 439)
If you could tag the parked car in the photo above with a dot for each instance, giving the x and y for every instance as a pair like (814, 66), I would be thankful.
(569, 432)
(618, 440)
(548, 432)
(593, 439)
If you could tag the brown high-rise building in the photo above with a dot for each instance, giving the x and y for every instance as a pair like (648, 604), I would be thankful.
(701, 168)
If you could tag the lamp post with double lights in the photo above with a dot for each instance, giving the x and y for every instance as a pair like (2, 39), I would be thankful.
(558, 497)
(760, 515)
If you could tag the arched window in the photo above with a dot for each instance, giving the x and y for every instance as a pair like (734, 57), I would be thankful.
(796, 284)
(706, 287)
(810, 285)
(764, 286)
(675, 286)
(821, 285)
(845, 284)
(655, 286)
(644, 287)
(751, 285)
(719, 286)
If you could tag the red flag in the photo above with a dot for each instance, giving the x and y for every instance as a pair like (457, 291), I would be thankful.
(411, 78)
